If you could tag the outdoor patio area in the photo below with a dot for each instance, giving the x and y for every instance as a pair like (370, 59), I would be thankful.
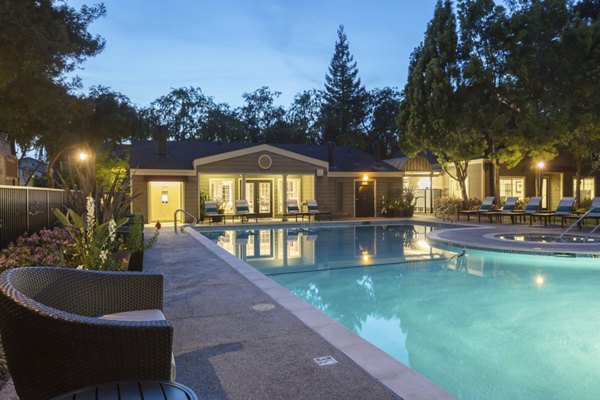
(225, 349)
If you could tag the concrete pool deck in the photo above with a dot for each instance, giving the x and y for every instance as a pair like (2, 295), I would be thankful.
(239, 335)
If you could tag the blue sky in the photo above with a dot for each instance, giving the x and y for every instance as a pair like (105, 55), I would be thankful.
(228, 47)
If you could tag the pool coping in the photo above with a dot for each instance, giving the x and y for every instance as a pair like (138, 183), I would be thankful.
(397, 377)
(490, 242)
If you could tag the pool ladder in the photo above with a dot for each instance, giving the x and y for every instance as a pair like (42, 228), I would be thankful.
(181, 210)
(577, 222)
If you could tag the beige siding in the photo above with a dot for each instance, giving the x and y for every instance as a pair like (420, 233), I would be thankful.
(139, 188)
(475, 174)
(249, 164)
(190, 197)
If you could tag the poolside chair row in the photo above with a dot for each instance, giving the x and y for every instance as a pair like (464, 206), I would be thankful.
(293, 210)
(242, 211)
(532, 210)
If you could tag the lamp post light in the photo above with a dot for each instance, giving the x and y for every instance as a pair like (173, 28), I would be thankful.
(540, 166)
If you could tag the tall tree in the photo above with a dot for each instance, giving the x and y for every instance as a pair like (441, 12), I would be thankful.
(483, 45)
(223, 123)
(432, 112)
(40, 43)
(183, 111)
(535, 63)
(579, 100)
(303, 116)
(260, 113)
(382, 128)
(344, 99)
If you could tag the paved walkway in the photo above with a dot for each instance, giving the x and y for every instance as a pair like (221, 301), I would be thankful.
(225, 349)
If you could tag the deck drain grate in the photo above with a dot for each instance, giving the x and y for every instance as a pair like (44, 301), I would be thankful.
(263, 307)
(327, 360)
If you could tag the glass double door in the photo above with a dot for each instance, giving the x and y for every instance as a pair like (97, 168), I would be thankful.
(259, 194)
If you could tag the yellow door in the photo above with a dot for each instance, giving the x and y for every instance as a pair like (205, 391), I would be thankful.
(165, 199)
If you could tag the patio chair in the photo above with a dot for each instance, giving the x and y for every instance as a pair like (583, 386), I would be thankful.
(242, 210)
(592, 213)
(486, 206)
(292, 209)
(507, 208)
(211, 211)
(562, 210)
(313, 210)
(63, 329)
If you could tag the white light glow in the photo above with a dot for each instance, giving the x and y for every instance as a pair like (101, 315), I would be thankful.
(424, 183)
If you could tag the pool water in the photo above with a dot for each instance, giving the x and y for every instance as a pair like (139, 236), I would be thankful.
(482, 325)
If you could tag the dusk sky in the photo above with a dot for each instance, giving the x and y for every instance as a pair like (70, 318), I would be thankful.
(229, 47)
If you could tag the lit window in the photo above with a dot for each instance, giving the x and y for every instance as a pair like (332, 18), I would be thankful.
(587, 187)
(221, 191)
(511, 187)
(293, 191)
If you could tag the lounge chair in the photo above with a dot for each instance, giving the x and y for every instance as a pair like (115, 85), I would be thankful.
(313, 210)
(292, 209)
(592, 213)
(486, 206)
(242, 210)
(211, 211)
(562, 210)
(532, 207)
(507, 208)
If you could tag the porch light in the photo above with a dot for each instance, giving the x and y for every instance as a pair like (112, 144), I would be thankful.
(366, 256)
(424, 183)
(365, 178)
(83, 156)
(538, 189)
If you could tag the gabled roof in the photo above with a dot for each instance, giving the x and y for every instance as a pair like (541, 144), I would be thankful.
(181, 155)
(401, 161)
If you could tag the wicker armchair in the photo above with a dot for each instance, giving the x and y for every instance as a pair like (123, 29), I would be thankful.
(54, 343)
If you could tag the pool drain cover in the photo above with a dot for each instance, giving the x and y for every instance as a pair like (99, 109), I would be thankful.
(263, 307)
(327, 360)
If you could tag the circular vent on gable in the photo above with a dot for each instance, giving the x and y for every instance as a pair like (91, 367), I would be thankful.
(265, 161)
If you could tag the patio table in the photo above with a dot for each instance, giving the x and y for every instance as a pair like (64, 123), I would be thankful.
(132, 390)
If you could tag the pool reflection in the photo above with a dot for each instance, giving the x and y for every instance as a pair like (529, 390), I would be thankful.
(275, 251)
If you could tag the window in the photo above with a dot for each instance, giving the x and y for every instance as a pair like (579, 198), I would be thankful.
(221, 191)
(454, 188)
(511, 187)
(587, 187)
(293, 191)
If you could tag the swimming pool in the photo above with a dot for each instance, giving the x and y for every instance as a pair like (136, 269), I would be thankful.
(482, 325)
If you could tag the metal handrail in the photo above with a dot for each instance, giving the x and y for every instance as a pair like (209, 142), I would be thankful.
(194, 222)
(577, 221)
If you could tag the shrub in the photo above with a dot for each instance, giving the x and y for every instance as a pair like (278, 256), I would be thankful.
(45, 248)
(93, 242)
(584, 204)
(448, 205)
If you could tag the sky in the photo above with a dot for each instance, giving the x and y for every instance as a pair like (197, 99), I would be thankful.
(230, 47)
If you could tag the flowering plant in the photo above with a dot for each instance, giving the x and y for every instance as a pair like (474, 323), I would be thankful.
(44, 248)
(92, 242)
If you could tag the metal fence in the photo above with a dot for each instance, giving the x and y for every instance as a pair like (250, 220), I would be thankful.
(426, 199)
(26, 210)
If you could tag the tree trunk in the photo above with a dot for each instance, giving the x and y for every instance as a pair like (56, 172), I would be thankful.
(461, 177)
(577, 186)
(496, 175)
